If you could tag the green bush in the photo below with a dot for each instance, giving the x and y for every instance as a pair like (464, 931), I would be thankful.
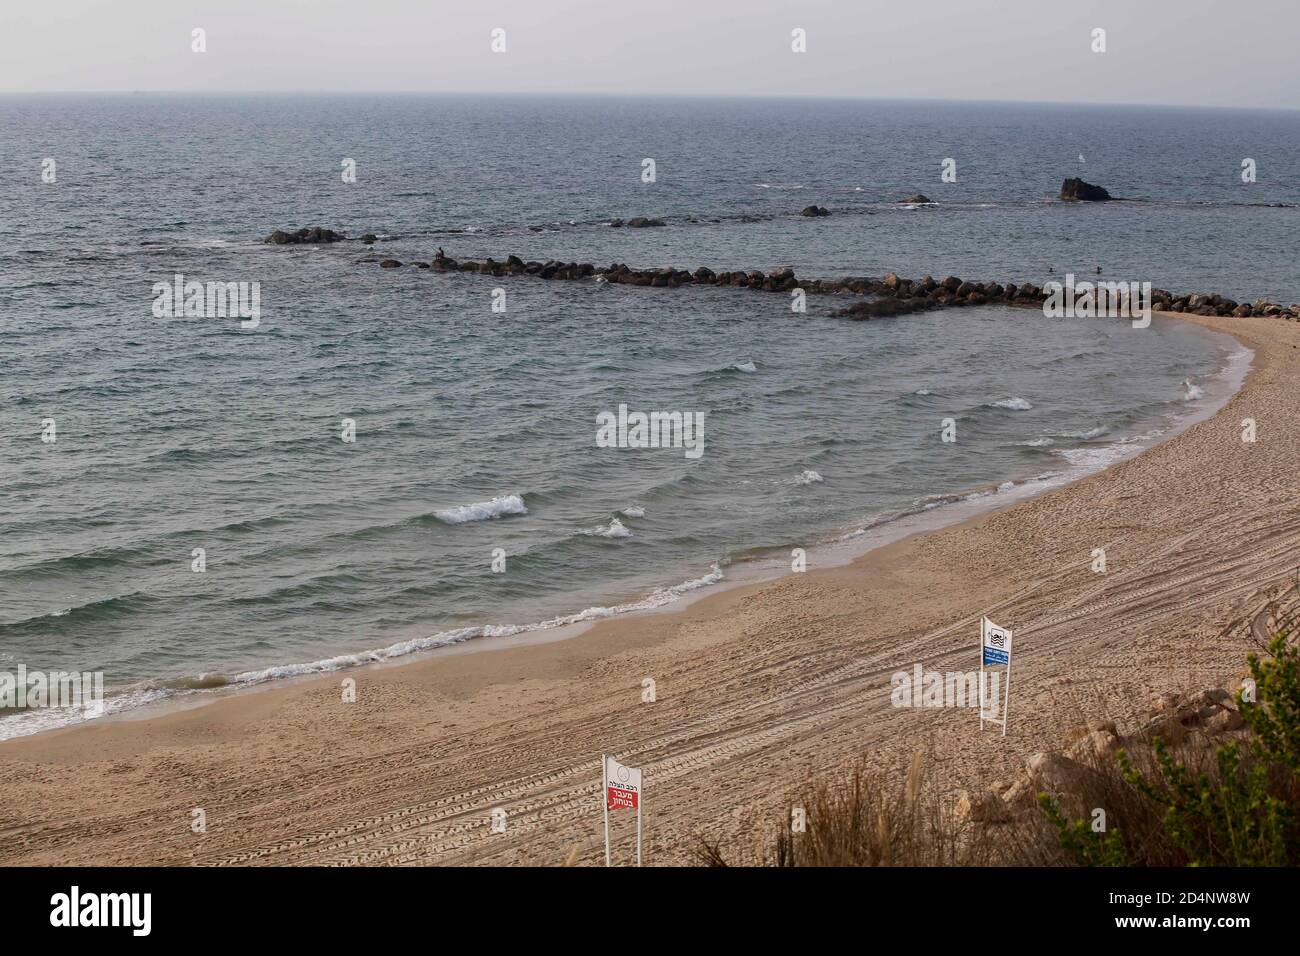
(1243, 811)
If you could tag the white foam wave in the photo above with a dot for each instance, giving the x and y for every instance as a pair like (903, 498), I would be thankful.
(482, 510)
(633, 511)
(808, 477)
(1015, 403)
(745, 367)
(657, 599)
(615, 529)
(1088, 435)
(1193, 392)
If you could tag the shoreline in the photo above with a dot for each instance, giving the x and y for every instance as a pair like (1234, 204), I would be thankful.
(827, 549)
(760, 687)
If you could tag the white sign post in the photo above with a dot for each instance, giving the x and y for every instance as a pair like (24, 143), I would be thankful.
(622, 790)
(995, 648)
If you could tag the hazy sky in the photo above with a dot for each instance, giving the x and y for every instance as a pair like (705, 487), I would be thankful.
(1190, 52)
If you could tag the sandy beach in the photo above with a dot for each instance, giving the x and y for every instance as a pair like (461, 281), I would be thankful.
(758, 688)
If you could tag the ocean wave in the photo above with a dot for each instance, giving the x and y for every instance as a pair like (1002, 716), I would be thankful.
(1014, 403)
(82, 615)
(656, 599)
(1087, 435)
(744, 368)
(808, 477)
(633, 511)
(75, 564)
(35, 721)
(483, 510)
(615, 529)
(1192, 391)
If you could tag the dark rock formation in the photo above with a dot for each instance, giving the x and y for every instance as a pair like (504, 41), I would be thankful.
(918, 198)
(313, 236)
(641, 222)
(891, 294)
(1076, 190)
(815, 211)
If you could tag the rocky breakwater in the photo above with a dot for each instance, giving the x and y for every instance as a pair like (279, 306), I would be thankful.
(899, 296)
(889, 295)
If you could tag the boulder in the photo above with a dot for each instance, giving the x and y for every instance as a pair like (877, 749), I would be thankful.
(1076, 190)
(985, 806)
(815, 211)
(1167, 727)
(641, 222)
(1062, 779)
(1224, 721)
(1094, 745)
(918, 198)
(311, 236)
(389, 264)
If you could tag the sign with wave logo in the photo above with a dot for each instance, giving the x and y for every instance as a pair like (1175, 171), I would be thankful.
(995, 650)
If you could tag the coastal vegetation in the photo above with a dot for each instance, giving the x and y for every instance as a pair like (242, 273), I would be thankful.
(1211, 780)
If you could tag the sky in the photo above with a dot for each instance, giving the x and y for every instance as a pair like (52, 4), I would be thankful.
(1235, 53)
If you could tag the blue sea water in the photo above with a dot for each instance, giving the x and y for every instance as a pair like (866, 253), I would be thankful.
(475, 429)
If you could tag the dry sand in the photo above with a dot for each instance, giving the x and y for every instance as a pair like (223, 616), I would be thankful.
(758, 688)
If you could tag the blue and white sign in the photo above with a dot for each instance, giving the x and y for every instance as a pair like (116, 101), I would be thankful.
(997, 644)
(995, 648)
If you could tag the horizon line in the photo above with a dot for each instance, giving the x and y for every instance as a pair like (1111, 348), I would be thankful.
(644, 95)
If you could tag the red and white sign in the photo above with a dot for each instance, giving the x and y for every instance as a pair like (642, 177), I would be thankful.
(622, 786)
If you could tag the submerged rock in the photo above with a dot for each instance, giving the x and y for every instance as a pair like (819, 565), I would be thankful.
(641, 222)
(1076, 190)
(918, 198)
(815, 211)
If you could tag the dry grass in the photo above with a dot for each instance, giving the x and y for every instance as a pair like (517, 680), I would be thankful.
(867, 819)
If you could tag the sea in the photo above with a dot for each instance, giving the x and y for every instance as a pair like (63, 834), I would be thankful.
(396, 460)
